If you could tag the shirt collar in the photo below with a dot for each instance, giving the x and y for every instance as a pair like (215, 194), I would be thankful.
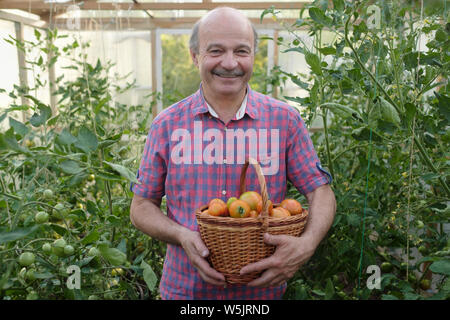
(248, 105)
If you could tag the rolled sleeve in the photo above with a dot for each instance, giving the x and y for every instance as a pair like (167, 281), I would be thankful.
(303, 165)
(153, 168)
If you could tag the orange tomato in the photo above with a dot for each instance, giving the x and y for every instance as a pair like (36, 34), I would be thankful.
(280, 212)
(292, 205)
(253, 214)
(239, 209)
(217, 207)
(253, 199)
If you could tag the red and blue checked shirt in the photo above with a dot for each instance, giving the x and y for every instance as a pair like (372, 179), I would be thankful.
(192, 157)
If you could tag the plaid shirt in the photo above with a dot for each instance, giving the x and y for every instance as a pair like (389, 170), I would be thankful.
(178, 162)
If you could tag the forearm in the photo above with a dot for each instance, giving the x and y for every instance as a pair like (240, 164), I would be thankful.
(322, 209)
(146, 215)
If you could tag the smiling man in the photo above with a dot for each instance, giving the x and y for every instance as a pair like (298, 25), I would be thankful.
(190, 156)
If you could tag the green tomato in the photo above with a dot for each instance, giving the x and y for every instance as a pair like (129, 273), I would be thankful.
(69, 250)
(423, 250)
(386, 267)
(420, 224)
(41, 217)
(91, 177)
(93, 297)
(30, 275)
(26, 259)
(61, 243)
(58, 247)
(93, 252)
(425, 284)
(48, 194)
(32, 295)
(47, 248)
(22, 273)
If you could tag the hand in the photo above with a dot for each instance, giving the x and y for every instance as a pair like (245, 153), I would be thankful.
(197, 252)
(291, 253)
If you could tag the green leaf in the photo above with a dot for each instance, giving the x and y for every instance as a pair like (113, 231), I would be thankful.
(112, 255)
(319, 16)
(336, 106)
(339, 5)
(18, 126)
(66, 138)
(8, 141)
(327, 50)
(329, 290)
(92, 237)
(441, 267)
(314, 62)
(149, 276)
(16, 234)
(86, 140)
(123, 171)
(39, 119)
(388, 112)
(70, 167)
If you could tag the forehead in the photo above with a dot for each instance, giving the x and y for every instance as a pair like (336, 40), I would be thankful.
(227, 29)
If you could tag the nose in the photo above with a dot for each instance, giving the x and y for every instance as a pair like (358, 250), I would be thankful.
(229, 61)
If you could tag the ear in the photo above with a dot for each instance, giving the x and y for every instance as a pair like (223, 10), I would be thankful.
(194, 57)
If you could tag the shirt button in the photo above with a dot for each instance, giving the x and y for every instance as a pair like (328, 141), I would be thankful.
(224, 192)
(224, 160)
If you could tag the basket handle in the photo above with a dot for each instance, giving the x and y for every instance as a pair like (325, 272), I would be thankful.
(262, 182)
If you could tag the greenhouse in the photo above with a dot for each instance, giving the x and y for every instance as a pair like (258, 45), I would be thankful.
(223, 149)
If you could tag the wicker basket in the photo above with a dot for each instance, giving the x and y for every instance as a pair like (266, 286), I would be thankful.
(236, 242)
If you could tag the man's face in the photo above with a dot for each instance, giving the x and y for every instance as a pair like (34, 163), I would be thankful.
(226, 55)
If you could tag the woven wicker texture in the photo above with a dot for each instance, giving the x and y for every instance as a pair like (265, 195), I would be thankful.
(236, 242)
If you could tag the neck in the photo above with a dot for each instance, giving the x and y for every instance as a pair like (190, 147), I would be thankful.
(225, 106)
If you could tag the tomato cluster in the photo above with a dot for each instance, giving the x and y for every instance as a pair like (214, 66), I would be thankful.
(250, 204)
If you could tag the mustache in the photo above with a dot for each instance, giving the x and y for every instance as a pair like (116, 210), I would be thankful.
(228, 73)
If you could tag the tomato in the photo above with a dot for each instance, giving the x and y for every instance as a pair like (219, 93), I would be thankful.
(423, 250)
(93, 297)
(60, 211)
(69, 250)
(280, 212)
(58, 247)
(91, 177)
(293, 206)
(41, 217)
(30, 275)
(26, 259)
(239, 209)
(420, 224)
(253, 199)
(425, 284)
(48, 194)
(217, 207)
(230, 201)
(47, 248)
(386, 267)
(32, 295)
(93, 252)
(253, 214)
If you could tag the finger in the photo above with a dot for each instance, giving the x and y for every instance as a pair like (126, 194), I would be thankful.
(259, 265)
(201, 247)
(205, 268)
(265, 280)
(274, 240)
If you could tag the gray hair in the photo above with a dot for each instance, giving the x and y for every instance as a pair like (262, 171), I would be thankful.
(194, 44)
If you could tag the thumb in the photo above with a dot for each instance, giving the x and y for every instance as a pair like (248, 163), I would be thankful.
(273, 239)
(201, 248)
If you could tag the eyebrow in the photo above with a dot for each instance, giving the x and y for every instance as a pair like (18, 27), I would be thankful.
(221, 46)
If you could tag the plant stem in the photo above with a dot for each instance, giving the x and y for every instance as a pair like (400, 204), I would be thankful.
(422, 151)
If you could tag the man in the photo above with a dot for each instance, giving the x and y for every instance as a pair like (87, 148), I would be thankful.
(179, 163)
